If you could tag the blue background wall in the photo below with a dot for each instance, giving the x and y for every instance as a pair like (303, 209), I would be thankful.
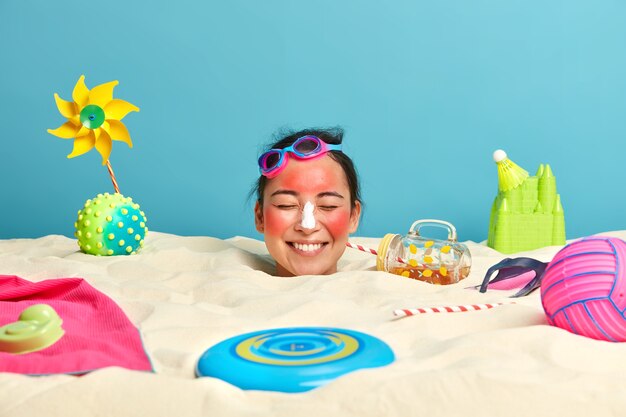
(426, 91)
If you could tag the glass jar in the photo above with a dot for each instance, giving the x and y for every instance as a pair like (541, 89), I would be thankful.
(435, 261)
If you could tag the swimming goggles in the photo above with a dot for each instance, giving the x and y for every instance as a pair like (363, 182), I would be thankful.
(274, 161)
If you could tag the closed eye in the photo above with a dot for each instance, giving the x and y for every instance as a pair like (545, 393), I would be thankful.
(327, 208)
(286, 206)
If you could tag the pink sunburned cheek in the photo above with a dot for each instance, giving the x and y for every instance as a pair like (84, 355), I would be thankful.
(338, 222)
(276, 221)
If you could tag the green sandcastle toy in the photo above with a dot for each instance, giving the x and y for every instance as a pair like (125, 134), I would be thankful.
(527, 212)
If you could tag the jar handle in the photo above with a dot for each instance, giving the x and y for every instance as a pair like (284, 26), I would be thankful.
(415, 227)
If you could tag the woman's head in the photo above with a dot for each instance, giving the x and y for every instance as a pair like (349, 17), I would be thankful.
(308, 207)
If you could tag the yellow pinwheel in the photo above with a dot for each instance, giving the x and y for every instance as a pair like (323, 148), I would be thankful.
(94, 119)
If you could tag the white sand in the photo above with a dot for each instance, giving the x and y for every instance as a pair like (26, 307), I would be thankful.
(187, 293)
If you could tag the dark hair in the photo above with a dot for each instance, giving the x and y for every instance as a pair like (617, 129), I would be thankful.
(332, 136)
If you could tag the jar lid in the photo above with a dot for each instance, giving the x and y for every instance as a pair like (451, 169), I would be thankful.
(382, 251)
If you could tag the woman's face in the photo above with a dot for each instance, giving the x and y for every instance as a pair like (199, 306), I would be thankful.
(306, 216)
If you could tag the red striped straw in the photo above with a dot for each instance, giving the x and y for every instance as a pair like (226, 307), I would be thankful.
(113, 180)
(361, 248)
(445, 309)
(372, 251)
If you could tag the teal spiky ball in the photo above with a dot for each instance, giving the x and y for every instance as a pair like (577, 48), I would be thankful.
(110, 224)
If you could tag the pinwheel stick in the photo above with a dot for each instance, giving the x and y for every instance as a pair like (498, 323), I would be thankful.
(113, 180)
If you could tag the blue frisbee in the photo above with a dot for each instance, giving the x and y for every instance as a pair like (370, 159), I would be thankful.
(293, 359)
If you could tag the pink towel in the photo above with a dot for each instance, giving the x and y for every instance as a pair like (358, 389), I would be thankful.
(97, 332)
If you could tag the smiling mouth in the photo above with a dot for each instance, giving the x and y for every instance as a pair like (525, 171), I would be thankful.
(309, 248)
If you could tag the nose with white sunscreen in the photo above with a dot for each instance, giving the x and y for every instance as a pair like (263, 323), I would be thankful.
(308, 220)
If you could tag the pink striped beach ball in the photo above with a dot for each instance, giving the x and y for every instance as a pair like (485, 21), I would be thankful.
(584, 288)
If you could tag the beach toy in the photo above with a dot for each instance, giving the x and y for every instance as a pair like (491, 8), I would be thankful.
(110, 224)
(510, 175)
(94, 121)
(294, 359)
(425, 259)
(37, 328)
(527, 212)
(584, 288)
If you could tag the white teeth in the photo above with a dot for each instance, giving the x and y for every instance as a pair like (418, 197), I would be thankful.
(307, 248)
